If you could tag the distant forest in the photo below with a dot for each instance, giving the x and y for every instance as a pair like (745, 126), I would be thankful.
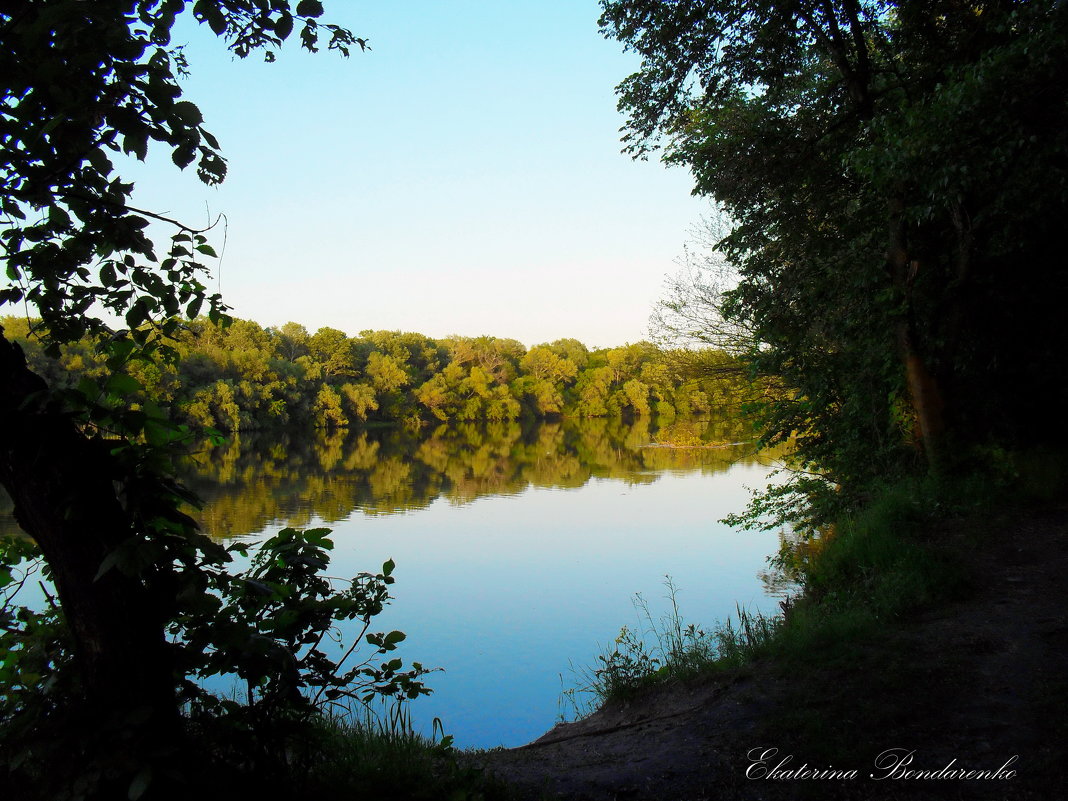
(243, 376)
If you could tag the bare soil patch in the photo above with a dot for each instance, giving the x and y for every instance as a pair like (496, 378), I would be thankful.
(970, 686)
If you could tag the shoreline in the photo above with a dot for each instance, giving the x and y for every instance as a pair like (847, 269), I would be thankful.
(967, 683)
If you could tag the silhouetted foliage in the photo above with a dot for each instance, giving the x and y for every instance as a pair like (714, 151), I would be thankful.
(896, 178)
(99, 692)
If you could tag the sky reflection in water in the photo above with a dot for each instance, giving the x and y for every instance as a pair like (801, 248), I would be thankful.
(518, 549)
(506, 592)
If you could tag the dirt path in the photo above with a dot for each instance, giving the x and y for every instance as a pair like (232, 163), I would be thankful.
(983, 682)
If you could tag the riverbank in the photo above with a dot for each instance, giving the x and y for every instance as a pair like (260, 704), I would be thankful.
(977, 683)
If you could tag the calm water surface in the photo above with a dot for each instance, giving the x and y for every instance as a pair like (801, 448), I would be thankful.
(519, 549)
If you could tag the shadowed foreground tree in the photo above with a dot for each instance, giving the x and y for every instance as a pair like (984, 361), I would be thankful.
(897, 176)
(93, 689)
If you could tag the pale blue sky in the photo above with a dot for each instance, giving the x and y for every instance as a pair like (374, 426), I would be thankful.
(464, 176)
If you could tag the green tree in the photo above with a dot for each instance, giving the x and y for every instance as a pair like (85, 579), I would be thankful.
(238, 377)
(543, 362)
(328, 408)
(542, 396)
(292, 341)
(571, 349)
(333, 351)
(634, 395)
(421, 355)
(626, 361)
(82, 84)
(359, 399)
(592, 390)
(440, 394)
(499, 358)
(874, 158)
(386, 373)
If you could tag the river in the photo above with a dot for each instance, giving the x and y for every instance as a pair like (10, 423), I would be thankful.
(519, 549)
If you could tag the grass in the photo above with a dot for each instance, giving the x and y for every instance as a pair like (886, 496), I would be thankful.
(388, 759)
(667, 650)
(871, 568)
(847, 671)
(361, 754)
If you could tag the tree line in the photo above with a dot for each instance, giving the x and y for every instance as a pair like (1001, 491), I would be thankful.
(242, 376)
(895, 178)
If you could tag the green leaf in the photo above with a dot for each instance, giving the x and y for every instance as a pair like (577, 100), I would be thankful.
(109, 562)
(261, 588)
(156, 433)
(209, 12)
(136, 142)
(58, 217)
(309, 8)
(136, 315)
(216, 436)
(52, 124)
(183, 156)
(121, 384)
(210, 139)
(12, 208)
(140, 783)
(284, 25)
(99, 162)
(188, 113)
(387, 568)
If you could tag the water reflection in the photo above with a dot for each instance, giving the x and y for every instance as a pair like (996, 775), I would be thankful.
(254, 482)
(528, 544)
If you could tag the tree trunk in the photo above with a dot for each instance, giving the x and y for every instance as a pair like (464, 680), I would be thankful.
(925, 395)
(63, 485)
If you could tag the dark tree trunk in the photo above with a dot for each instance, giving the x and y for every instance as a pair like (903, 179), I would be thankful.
(64, 488)
(925, 394)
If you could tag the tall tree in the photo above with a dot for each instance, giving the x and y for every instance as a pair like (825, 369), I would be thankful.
(84, 82)
(881, 163)
(334, 352)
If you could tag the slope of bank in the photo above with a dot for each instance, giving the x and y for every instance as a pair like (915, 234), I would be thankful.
(979, 684)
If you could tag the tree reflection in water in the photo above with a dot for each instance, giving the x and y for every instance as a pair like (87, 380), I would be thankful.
(253, 482)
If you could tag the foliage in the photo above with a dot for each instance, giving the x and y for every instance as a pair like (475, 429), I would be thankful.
(274, 627)
(894, 178)
(94, 693)
(34, 645)
(267, 626)
(83, 84)
(241, 376)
